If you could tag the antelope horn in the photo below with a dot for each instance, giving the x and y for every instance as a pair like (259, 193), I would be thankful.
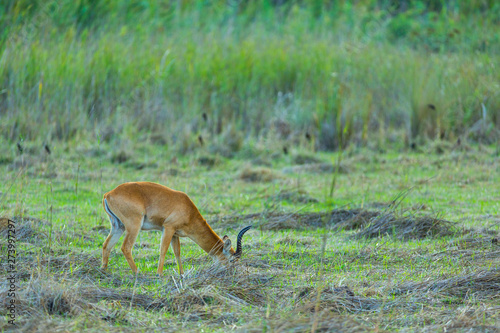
(237, 253)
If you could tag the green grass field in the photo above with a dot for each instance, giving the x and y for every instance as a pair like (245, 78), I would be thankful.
(360, 139)
(436, 275)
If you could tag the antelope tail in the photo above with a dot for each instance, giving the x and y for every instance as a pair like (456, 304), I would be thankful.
(237, 253)
(115, 221)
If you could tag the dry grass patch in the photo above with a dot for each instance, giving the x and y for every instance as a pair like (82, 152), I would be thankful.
(299, 196)
(208, 161)
(302, 159)
(27, 229)
(79, 264)
(357, 221)
(406, 227)
(476, 239)
(213, 286)
(281, 221)
(69, 265)
(258, 174)
(304, 241)
(335, 299)
(324, 322)
(370, 224)
(318, 168)
(483, 284)
(44, 295)
(211, 293)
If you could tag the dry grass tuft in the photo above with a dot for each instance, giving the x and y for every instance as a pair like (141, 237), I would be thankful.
(280, 221)
(478, 285)
(4, 224)
(338, 300)
(305, 159)
(299, 196)
(208, 161)
(258, 174)
(406, 227)
(120, 157)
(211, 294)
(80, 264)
(95, 294)
(68, 266)
(357, 221)
(317, 168)
(44, 295)
(235, 283)
(25, 229)
(305, 241)
(475, 239)
(370, 224)
(324, 322)
(195, 292)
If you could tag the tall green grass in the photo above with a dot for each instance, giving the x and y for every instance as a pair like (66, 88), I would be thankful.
(73, 69)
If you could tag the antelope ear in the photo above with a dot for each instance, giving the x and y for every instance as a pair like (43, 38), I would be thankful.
(227, 247)
(225, 237)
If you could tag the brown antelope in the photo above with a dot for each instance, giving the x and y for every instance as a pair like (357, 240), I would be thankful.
(137, 206)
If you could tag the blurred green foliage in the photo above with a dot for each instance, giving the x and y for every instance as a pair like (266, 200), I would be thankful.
(361, 68)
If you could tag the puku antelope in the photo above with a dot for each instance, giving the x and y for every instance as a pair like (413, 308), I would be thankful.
(137, 206)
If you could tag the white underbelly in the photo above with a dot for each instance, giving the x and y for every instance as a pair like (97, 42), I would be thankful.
(148, 225)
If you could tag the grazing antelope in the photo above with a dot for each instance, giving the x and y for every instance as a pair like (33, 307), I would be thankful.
(149, 206)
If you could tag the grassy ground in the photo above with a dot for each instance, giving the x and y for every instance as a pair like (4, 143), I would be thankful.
(359, 138)
(385, 259)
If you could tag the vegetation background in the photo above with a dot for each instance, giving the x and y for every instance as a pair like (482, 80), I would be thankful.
(359, 138)
(350, 71)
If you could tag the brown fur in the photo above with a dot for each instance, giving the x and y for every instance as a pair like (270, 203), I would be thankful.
(150, 206)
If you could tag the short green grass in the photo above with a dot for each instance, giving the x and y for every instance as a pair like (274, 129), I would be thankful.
(64, 190)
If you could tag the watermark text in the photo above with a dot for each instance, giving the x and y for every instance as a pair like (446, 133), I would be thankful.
(11, 272)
